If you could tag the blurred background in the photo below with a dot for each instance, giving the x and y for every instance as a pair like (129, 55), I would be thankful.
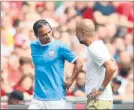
(114, 25)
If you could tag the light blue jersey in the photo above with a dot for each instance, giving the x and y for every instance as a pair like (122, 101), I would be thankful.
(49, 69)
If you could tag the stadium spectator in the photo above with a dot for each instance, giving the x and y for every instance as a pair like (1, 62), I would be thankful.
(25, 85)
(79, 89)
(26, 65)
(115, 86)
(15, 97)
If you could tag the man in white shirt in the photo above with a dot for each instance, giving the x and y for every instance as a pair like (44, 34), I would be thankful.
(100, 67)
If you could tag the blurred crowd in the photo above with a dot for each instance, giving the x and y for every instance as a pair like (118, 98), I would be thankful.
(114, 25)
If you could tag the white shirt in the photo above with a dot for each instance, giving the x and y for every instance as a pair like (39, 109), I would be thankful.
(97, 54)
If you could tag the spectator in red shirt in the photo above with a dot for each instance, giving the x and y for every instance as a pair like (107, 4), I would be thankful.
(2, 92)
(125, 9)
(14, 73)
(25, 84)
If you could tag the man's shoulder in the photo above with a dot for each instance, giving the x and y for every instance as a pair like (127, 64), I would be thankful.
(97, 45)
(59, 43)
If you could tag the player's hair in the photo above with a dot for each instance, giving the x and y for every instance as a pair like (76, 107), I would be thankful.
(38, 24)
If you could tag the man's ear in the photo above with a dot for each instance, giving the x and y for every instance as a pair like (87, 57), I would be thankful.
(84, 34)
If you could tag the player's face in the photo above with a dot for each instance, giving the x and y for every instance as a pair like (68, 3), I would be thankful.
(45, 34)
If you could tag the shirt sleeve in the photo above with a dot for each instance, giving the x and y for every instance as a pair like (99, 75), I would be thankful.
(100, 54)
(68, 54)
(31, 45)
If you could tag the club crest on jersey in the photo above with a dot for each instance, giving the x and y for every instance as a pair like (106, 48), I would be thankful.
(51, 53)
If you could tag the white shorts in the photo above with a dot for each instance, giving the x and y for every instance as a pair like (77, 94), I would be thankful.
(39, 104)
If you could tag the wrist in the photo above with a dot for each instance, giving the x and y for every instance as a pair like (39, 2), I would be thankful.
(102, 88)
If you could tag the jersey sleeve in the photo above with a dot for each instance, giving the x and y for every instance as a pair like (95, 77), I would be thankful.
(100, 54)
(34, 49)
(31, 45)
(67, 54)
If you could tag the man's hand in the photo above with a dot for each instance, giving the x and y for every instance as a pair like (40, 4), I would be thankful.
(68, 83)
(94, 94)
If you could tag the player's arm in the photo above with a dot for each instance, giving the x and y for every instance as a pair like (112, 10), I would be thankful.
(70, 56)
(78, 64)
(110, 66)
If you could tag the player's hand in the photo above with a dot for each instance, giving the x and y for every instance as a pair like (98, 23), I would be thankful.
(68, 83)
(94, 94)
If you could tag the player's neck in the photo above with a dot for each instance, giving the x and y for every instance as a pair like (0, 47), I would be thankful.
(46, 43)
(91, 40)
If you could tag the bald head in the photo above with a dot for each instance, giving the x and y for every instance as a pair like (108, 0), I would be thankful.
(85, 31)
(86, 25)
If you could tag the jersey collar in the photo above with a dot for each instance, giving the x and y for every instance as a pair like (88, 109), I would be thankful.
(47, 43)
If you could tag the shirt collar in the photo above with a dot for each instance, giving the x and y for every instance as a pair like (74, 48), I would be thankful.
(47, 43)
